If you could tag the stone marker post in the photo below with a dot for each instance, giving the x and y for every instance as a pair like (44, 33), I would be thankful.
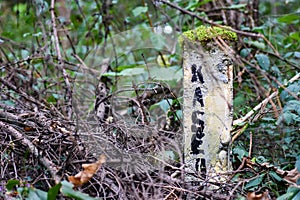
(208, 101)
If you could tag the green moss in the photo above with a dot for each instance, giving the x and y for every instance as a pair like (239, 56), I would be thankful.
(205, 34)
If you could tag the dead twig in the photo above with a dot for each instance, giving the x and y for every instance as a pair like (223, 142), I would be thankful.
(52, 168)
(250, 145)
(61, 63)
(195, 15)
(264, 102)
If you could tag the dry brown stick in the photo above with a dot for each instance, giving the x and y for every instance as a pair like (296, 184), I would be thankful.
(281, 58)
(19, 91)
(15, 120)
(257, 67)
(170, 194)
(61, 63)
(148, 16)
(250, 145)
(203, 193)
(53, 169)
(231, 193)
(140, 104)
(268, 80)
(254, 110)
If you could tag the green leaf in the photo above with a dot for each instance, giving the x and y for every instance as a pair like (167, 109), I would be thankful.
(240, 152)
(52, 99)
(126, 72)
(298, 165)
(261, 160)
(293, 88)
(287, 117)
(292, 105)
(275, 176)
(36, 194)
(276, 70)
(111, 74)
(8, 102)
(257, 44)
(25, 54)
(245, 52)
(193, 5)
(122, 67)
(263, 61)
(258, 28)
(254, 182)
(67, 190)
(297, 54)
(11, 184)
(285, 95)
(52, 193)
(21, 8)
(238, 6)
(132, 72)
(288, 54)
(288, 18)
(297, 196)
(169, 155)
(290, 194)
(179, 114)
(239, 100)
(139, 10)
(295, 35)
(166, 74)
(165, 104)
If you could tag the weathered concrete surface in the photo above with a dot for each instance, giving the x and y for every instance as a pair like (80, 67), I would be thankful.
(207, 107)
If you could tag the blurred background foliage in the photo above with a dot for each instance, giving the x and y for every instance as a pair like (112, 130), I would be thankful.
(87, 30)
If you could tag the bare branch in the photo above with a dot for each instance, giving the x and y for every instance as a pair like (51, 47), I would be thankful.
(53, 169)
(61, 63)
(264, 102)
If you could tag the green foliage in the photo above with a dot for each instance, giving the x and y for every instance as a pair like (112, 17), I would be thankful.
(31, 193)
(239, 151)
(11, 184)
(193, 5)
(25, 191)
(253, 184)
(275, 138)
(291, 113)
(293, 193)
(164, 104)
(263, 61)
(204, 34)
(67, 190)
(289, 19)
(97, 34)
(139, 10)
(53, 192)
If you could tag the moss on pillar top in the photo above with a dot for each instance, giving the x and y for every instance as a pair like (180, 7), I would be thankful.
(205, 34)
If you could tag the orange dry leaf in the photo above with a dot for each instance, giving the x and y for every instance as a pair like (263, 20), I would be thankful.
(88, 172)
(28, 128)
(258, 196)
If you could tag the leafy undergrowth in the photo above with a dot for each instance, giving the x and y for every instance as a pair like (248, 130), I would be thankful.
(51, 141)
(47, 156)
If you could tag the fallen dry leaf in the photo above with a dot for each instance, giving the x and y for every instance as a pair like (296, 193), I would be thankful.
(289, 176)
(292, 176)
(258, 196)
(88, 172)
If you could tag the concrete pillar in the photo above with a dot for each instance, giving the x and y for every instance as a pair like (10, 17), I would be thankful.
(208, 101)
